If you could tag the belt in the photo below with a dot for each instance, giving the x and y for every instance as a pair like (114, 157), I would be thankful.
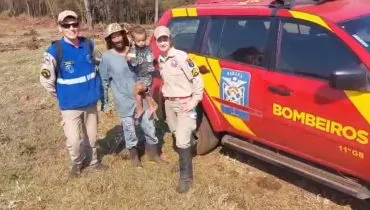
(176, 98)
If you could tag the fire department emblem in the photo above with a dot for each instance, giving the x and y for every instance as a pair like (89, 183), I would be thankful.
(235, 89)
(68, 67)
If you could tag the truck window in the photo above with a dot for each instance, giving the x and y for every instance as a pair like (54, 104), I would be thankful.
(359, 28)
(211, 42)
(244, 40)
(311, 50)
(186, 33)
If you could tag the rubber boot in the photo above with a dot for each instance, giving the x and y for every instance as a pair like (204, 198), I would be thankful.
(134, 157)
(153, 154)
(186, 170)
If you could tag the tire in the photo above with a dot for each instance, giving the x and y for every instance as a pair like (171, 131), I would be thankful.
(206, 139)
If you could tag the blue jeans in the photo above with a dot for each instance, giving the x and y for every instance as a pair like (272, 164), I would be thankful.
(147, 126)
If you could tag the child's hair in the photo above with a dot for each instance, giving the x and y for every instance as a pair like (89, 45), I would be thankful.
(138, 30)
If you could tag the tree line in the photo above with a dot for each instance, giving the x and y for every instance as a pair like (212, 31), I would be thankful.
(92, 11)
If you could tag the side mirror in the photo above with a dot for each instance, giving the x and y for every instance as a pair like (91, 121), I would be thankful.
(352, 79)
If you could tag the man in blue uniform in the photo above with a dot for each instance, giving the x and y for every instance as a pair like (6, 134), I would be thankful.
(68, 72)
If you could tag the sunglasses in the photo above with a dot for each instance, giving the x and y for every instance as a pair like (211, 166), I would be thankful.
(163, 39)
(68, 25)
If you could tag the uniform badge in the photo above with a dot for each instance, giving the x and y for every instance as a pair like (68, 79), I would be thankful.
(195, 72)
(68, 66)
(174, 63)
(190, 63)
(45, 73)
(46, 61)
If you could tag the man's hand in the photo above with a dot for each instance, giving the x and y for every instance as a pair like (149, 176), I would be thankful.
(130, 56)
(188, 106)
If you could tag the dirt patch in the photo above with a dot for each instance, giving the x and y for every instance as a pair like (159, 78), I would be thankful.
(3, 35)
(44, 22)
(233, 174)
(219, 167)
(31, 32)
(26, 149)
(24, 98)
(239, 200)
(4, 139)
(7, 47)
(4, 204)
(268, 183)
(33, 44)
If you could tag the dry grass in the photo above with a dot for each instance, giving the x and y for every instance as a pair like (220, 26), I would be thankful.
(34, 161)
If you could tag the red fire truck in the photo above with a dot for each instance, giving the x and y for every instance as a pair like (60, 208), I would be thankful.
(285, 81)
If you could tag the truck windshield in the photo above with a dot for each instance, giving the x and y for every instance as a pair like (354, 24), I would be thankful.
(359, 28)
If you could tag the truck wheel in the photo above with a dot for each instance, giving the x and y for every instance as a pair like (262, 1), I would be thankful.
(206, 139)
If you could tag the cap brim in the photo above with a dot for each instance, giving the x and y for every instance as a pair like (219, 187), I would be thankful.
(69, 16)
(160, 35)
(108, 35)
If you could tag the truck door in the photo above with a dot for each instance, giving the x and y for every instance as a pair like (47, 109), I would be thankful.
(234, 50)
(317, 122)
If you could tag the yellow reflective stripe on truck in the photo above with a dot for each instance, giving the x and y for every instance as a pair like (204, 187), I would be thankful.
(309, 17)
(184, 12)
(361, 101)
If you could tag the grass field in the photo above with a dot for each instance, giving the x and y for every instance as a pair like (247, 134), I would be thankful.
(34, 161)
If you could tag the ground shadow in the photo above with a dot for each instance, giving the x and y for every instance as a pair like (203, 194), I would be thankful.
(161, 129)
(302, 182)
(113, 143)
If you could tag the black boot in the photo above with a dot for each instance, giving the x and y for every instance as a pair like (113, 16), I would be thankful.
(134, 157)
(153, 154)
(186, 170)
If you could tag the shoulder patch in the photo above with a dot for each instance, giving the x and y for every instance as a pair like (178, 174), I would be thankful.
(47, 60)
(45, 73)
(190, 63)
(195, 72)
